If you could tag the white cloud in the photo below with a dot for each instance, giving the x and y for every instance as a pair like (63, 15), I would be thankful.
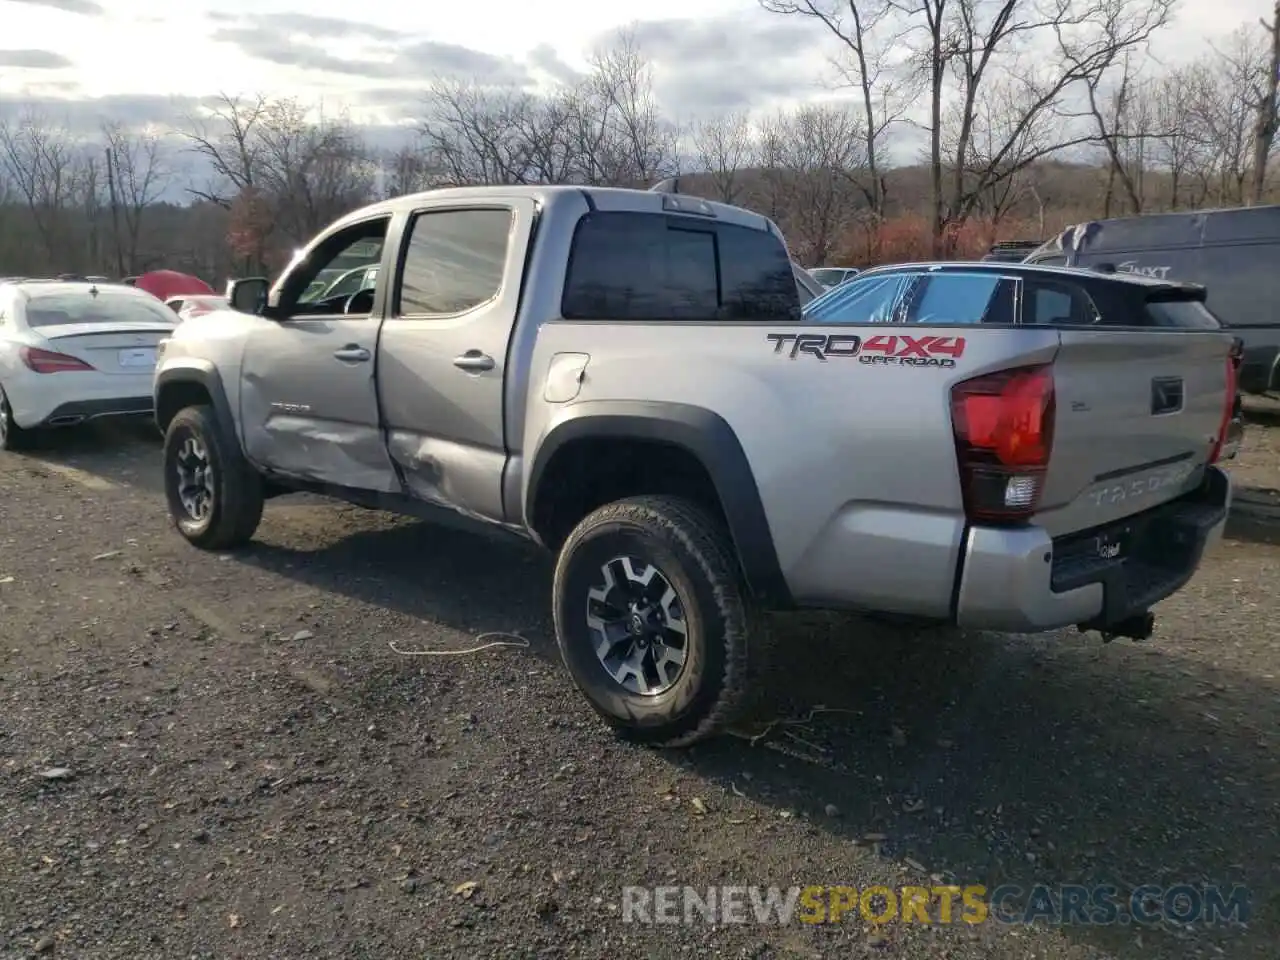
(729, 51)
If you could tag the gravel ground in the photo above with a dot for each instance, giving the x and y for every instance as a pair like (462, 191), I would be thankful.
(221, 756)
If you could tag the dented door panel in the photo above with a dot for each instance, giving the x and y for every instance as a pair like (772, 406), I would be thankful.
(309, 415)
(441, 383)
(308, 394)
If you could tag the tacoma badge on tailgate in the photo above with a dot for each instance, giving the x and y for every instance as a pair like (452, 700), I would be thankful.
(1142, 485)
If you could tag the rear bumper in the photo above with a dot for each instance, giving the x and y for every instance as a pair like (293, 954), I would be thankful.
(65, 398)
(77, 411)
(1023, 581)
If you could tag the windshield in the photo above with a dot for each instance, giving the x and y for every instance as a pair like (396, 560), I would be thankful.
(351, 282)
(1182, 313)
(52, 309)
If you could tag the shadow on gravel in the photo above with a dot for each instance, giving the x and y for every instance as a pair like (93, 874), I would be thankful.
(1254, 522)
(461, 580)
(1022, 760)
(125, 452)
(1261, 413)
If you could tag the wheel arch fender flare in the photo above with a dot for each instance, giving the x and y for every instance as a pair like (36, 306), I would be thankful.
(206, 375)
(707, 437)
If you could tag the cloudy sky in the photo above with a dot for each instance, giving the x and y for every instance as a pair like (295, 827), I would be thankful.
(85, 60)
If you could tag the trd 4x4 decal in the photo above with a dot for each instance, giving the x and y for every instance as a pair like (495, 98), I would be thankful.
(902, 350)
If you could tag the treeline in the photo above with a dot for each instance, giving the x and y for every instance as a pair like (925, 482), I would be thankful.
(1026, 115)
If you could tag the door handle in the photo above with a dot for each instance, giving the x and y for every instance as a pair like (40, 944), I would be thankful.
(473, 361)
(352, 353)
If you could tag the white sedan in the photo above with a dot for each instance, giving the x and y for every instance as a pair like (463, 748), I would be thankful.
(71, 352)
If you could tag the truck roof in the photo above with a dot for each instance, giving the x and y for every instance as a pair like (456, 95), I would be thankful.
(1032, 269)
(602, 198)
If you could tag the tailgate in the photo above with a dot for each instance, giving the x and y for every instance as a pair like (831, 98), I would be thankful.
(107, 347)
(1138, 413)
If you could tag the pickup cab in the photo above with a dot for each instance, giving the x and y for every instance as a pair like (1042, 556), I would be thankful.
(627, 378)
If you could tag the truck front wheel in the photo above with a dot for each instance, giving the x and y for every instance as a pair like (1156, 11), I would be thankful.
(651, 619)
(214, 494)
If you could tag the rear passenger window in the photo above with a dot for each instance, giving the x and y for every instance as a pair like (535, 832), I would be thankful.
(646, 266)
(692, 286)
(1052, 303)
(455, 261)
(757, 280)
(946, 298)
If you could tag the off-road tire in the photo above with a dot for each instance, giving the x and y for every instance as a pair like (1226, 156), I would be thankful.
(12, 436)
(694, 554)
(238, 487)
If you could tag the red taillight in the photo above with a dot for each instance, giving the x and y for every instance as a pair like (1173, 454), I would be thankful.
(1229, 405)
(1003, 425)
(46, 361)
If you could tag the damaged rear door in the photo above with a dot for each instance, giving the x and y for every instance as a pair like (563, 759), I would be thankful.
(442, 359)
(308, 398)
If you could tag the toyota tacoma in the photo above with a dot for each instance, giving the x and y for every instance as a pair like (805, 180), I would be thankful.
(626, 378)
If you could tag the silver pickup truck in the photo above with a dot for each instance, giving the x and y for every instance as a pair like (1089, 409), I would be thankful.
(627, 378)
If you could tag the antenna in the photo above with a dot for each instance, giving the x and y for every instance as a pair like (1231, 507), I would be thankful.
(669, 185)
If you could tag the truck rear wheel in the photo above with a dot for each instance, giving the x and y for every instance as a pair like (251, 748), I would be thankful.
(651, 619)
(214, 494)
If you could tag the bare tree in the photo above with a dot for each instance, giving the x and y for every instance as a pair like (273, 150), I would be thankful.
(312, 171)
(816, 155)
(276, 169)
(405, 170)
(1225, 107)
(1266, 120)
(87, 196)
(40, 161)
(772, 149)
(547, 127)
(474, 135)
(137, 174)
(725, 146)
(606, 129)
(630, 143)
(995, 175)
(972, 41)
(865, 31)
(227, 140)
(1180, 139)
(1124, 121)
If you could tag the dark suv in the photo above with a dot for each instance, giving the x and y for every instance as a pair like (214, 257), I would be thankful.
(1233, 253)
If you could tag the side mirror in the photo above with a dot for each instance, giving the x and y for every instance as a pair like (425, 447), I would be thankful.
(248, 295)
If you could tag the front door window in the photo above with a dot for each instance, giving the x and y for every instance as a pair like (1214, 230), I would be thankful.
(340, 275)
